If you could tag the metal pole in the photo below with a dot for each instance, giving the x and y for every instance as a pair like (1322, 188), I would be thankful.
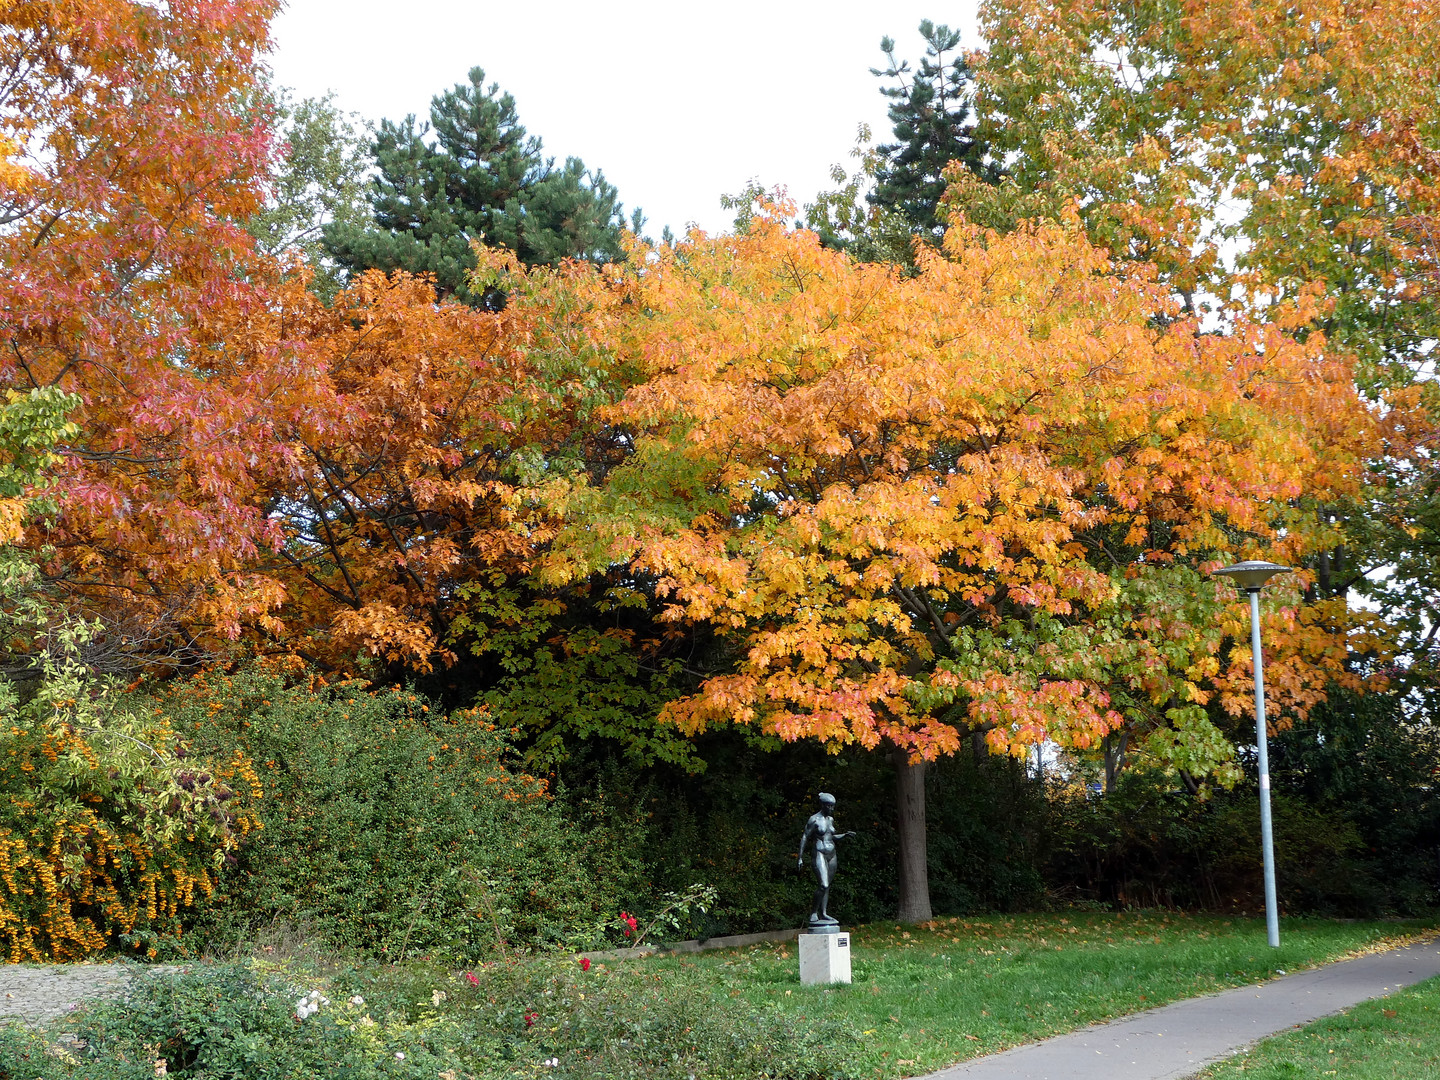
(1267, 843)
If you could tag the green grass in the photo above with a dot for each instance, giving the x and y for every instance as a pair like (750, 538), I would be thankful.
(1393, 1038)
(927, 998)
(922, 999)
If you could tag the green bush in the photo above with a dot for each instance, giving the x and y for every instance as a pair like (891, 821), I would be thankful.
(503, 1021)
(391, 828)
(1148, 843)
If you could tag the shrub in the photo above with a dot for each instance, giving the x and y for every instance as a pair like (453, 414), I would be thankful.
(502, 1021)
(631, 1023)
(109, 825)
(390, 827)
(233, 1022)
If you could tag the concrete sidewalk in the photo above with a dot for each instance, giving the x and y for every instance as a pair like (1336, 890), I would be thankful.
(1178, 1040)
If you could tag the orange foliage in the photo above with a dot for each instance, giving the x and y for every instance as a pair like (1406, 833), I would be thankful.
(419, 466)
(917, 504)
(130, 282)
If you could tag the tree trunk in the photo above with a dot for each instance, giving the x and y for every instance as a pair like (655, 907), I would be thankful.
(1114, 744)
(978, 749)
(910, 818)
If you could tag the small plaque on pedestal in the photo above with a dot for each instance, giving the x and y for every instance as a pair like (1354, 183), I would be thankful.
(824, 958)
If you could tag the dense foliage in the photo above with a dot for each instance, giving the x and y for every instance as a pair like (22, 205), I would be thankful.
(391, 828)
(109, 826)
(498, 1022)
(532, 520)
(1254, 152)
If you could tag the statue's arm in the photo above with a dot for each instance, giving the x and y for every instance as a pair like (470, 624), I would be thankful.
(804, 839)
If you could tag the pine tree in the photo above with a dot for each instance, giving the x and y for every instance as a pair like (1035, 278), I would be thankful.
(929, 110)
(480, 177)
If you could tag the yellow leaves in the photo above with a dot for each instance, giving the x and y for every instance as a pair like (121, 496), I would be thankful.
(384, 631)
(12, 520)
(905, 460)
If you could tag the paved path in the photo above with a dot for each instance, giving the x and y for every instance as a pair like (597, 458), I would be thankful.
(1178, 1040)
(39, 993)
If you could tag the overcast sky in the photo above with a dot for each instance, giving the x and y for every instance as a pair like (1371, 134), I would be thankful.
(677, 103)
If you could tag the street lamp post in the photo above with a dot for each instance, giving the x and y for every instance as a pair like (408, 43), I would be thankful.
(1251, 576)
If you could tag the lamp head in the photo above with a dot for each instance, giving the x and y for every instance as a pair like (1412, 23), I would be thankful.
(1252, 574)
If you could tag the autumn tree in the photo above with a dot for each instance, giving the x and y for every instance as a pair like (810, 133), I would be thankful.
(131, 283)
(1253, 151)
(347, 479)
(885, 492)
(422, 482)
(480, 179)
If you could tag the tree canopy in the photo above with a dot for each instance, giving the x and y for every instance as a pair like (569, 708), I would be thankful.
(978, 499)
(1254, 153)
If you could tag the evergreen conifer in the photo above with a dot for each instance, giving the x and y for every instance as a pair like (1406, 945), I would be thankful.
(480, 177)
(929, 109)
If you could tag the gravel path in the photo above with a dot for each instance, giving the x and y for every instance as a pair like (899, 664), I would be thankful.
(39, 993)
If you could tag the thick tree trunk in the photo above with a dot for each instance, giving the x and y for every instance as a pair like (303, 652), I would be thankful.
(910, 818)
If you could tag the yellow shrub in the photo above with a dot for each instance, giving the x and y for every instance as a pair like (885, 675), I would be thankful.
(107, 825)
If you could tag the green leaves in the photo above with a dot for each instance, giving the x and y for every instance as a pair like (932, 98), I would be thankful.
(31, 424)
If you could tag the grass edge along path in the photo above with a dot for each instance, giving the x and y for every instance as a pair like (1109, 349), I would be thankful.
(925, 998)
(1396, 1037)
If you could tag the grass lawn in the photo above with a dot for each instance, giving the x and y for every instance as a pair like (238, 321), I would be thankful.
(1393, 1038)
(922, 998)
(927, 998)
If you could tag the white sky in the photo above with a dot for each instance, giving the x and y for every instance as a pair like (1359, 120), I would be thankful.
(677, 103)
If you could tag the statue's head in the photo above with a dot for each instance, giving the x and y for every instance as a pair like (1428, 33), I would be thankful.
(826, 800)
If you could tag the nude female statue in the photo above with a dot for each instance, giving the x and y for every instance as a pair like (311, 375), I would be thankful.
(821, 827)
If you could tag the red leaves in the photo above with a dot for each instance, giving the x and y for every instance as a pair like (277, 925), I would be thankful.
(130, 282)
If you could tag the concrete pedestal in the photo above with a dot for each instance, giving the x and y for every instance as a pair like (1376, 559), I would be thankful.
(824, 958)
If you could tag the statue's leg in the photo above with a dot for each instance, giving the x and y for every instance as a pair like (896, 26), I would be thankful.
(822, 888)
(827, 876)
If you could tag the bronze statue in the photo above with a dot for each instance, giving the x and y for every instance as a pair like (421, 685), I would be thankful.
(821, 827)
